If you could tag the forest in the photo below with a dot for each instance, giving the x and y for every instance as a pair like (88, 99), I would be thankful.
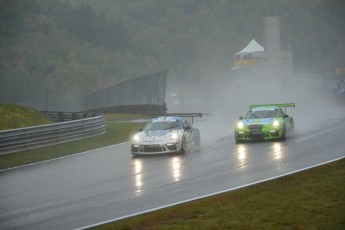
(69, 48)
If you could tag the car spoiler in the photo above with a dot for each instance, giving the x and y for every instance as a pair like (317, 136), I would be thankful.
(284, 105)
(192, 115)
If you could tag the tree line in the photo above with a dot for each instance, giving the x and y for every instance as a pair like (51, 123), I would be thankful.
(74, 47)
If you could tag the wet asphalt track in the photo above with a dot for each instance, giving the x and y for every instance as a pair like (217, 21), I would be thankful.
(108, 183)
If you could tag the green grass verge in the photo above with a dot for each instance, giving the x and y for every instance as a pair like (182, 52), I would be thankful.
(313, 199)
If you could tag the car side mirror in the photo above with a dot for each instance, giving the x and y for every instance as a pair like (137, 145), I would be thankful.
(241, 118)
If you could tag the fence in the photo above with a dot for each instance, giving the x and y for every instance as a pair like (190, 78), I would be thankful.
(145, 90)
(45, 135)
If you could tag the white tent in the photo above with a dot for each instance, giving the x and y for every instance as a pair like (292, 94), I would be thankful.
(252, 47)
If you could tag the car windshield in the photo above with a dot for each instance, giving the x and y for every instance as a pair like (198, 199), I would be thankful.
(259, 114)
(162, 125)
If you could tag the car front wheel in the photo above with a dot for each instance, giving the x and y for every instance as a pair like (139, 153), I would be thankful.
(284, 134)
(236, 139)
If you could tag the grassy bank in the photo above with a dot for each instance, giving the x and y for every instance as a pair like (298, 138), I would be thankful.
(314, 199)
(15, 116)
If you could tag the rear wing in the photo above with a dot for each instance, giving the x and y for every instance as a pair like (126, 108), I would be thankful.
(192, 115)
(284, 105)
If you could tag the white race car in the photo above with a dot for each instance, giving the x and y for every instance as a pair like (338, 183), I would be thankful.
(167, 134)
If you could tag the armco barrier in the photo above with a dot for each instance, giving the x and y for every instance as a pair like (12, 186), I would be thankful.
(66, 116)
(15, 140)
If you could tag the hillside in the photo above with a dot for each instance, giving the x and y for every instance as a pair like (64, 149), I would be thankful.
(60, 49)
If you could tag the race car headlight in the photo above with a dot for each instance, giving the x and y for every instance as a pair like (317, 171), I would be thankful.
(240, 125)
(276, 124)
(174, 136)
(136, 137)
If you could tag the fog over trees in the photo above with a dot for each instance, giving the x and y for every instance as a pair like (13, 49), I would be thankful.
(76, 47)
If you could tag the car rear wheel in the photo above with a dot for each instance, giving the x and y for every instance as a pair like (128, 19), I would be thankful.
(292, 128)
(198, 141)
(183, 146)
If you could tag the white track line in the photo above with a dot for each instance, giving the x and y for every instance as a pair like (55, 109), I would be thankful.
(211, 194)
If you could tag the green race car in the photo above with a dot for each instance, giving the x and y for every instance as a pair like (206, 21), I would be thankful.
(265, 122)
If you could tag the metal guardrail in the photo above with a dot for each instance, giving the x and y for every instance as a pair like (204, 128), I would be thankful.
(67, 116)
(15, 140)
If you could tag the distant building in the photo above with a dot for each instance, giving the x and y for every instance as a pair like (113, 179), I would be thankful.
(268, 58)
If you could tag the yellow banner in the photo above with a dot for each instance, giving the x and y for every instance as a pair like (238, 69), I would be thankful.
(340, 70)
(246, 62)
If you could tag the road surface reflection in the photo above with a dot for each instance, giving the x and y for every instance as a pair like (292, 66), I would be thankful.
(174, 169)
(277, 151)
(241, 155)
(278, 155)
(138, 175)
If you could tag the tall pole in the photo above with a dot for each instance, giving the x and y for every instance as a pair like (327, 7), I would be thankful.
(46, 99)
